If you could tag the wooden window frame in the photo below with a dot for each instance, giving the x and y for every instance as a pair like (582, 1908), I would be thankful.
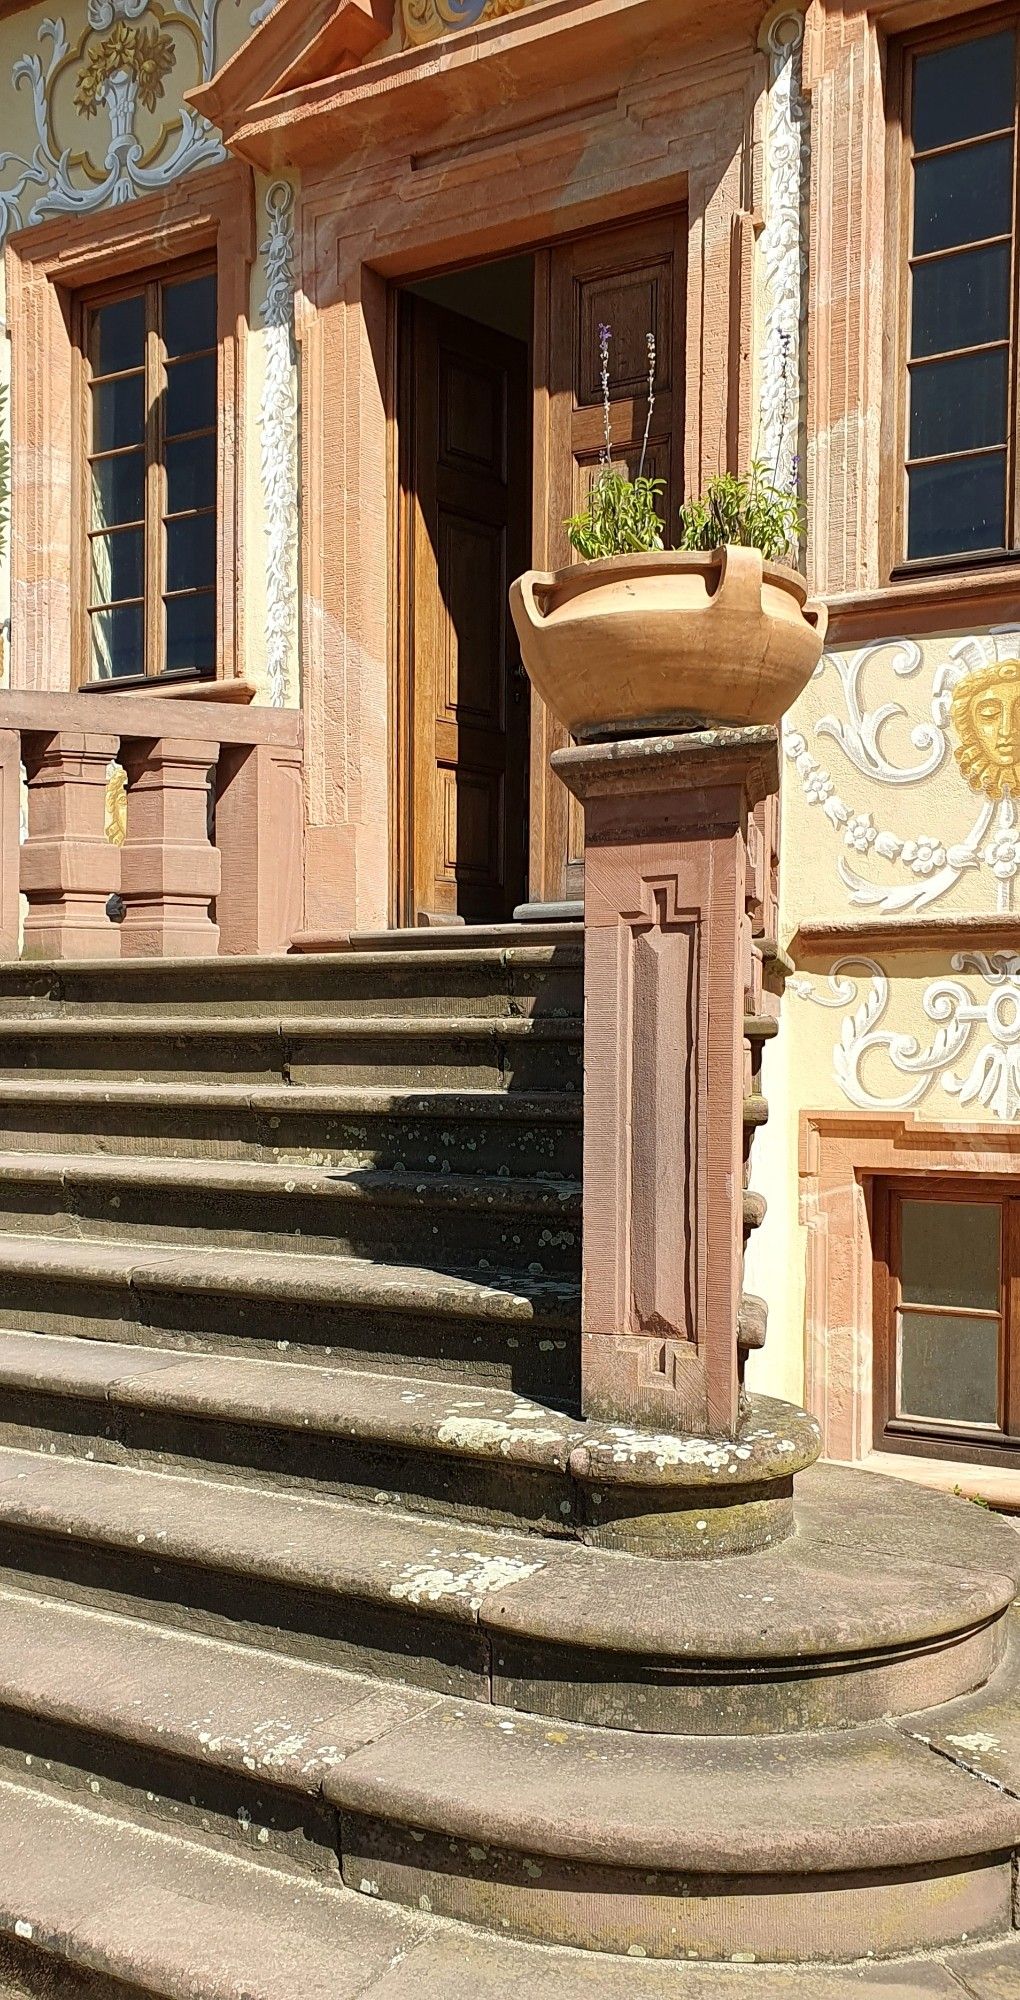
(151, 283)
(902, 52)
(934, 1437)
(48, 267)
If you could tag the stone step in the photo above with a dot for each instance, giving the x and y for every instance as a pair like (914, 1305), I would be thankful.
(184, 1732)
(461, 1221)
(517, 1052)
(439, 1131)
(497, 1328)
(678, 1845)
(401, 1442)
(491, 981)
(833, 1627)
(118, 1916)
(826, 1845)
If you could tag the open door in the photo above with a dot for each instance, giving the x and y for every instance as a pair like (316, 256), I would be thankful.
(465, 430)
(632, 280)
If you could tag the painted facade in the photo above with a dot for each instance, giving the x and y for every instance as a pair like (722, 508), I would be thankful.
(901, 790)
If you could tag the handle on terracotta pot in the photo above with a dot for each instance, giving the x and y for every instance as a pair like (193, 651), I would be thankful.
(740, 580)
(522, 598)
(816, 611)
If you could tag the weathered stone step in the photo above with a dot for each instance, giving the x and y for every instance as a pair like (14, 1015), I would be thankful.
(397, 1441)
(820, 1846)
(467, 1222)
(465, 1051)
(499, 1328)
(190, 1733)
(496, 980)
(784, 1640)
(88, 1930)
(569, 1834)
(456, 1131)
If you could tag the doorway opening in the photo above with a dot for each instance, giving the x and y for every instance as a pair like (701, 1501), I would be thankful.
(464, 350)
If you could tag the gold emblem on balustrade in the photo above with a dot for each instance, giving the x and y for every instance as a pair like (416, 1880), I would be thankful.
(986, 717)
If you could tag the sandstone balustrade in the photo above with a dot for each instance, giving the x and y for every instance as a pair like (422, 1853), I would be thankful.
(212, 857)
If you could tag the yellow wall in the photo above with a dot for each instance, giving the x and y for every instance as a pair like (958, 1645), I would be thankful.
(901, 800)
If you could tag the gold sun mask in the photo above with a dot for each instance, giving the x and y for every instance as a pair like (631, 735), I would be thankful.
(986, 717)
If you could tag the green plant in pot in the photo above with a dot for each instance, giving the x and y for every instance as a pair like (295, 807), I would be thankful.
(636, 638)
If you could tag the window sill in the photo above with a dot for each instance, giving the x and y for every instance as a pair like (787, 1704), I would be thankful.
(196, 688)
(998, 1485)
(951, 601)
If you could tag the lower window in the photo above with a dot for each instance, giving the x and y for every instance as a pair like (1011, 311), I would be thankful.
(947, 1318)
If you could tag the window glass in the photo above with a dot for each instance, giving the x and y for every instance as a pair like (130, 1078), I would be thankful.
(950, 1253)
(949, 1368)
(961, 275)
(151, 524)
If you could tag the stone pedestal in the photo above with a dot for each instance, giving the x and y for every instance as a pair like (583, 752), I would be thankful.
(69, 870)
(170, 871)
(670, 887)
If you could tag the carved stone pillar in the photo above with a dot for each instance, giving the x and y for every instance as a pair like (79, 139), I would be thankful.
(672, 880)
(69, 870)
(170, 871)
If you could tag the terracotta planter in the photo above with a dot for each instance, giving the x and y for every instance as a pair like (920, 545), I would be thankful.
(670, 641)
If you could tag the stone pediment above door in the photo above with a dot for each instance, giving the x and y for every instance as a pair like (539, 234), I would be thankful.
(295, 46)
(320, 81)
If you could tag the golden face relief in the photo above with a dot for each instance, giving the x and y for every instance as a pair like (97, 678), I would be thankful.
(986, 716)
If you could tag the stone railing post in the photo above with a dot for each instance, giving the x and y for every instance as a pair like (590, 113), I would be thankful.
(668, 962)
(170, 871)
(259, 831)
(10, 842)
(69, 869)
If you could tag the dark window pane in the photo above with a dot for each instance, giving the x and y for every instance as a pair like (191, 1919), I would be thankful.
(191, 552)
(117, 642)
(116, 566)
(118, 490)
(118, 413)
(190, 395)
(950, 1254)
(963, 197)
(957, 507)
(949, 1368)
(958, 405)
(191, 633)
(964, 89)
(961, 300)
(190, 474)
(189, 315)
(118, 336)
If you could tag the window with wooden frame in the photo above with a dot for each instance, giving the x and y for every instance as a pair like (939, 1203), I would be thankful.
(947, 1318)
(958, 186)
(149, 430)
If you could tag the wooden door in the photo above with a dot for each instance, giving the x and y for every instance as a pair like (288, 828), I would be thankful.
(633, 280)
(467, 417)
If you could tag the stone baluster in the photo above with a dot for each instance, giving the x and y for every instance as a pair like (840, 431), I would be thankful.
(668, 968)
(170, 870)
(10, 842)
(69, 869)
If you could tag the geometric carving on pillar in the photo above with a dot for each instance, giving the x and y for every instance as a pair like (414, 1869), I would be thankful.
(668, 962)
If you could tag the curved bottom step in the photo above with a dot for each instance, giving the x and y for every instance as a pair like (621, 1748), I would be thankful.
(155, 1915)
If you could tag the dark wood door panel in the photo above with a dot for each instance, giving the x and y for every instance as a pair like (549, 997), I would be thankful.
(466, 409)
(633, 280)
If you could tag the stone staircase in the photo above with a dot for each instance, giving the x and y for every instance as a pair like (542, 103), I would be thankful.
(340, 1656)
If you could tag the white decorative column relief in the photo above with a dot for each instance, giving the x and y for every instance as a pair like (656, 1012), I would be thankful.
(783, 248)
(278, 429)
